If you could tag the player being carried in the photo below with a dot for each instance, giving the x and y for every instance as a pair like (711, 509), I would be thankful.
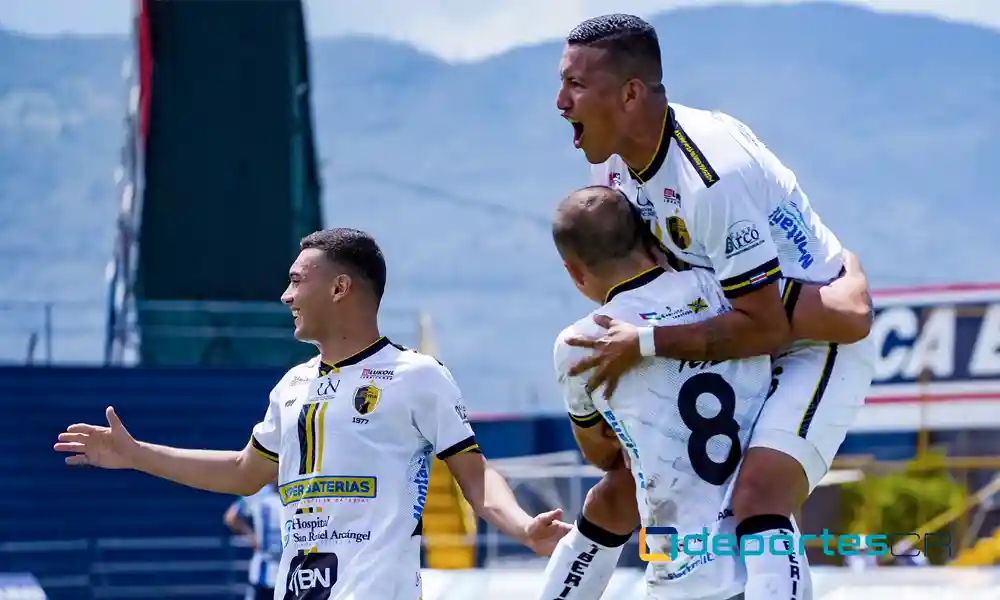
(717, 198)
(349, 436)
(662, 410)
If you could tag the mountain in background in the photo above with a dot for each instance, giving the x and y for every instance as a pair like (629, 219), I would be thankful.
(891, 122)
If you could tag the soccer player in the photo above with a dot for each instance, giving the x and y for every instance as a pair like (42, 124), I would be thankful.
(716, 197)
(258, 517)
(349, 435)
(684, 424)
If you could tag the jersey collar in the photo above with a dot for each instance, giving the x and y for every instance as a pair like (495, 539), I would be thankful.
(635, 282)
(370, 350)
(666, 132)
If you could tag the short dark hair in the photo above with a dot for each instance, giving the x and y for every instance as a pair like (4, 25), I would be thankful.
(631, 44)
(354, 250)
(598, 225)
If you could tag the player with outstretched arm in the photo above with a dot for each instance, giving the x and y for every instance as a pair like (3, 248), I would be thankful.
(349, 436)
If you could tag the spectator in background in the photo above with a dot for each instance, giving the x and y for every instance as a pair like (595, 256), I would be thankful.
(258, 517)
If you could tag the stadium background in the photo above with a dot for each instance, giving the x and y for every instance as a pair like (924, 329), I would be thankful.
(195, 339)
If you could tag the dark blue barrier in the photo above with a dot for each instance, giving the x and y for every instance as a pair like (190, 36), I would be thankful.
(42, 499)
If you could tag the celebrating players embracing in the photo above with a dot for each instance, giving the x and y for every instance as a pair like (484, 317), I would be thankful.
(717, 198)
(684, 424)
(349, 435)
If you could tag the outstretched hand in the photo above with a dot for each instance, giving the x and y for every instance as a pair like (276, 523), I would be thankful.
(108, 447)
(545, 531)
(615, 353)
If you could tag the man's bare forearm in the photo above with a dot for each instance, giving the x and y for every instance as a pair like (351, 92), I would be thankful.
(500, 508)
(729, 336)
(212, 470)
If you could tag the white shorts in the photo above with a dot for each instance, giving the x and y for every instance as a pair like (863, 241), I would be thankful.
(816, 391)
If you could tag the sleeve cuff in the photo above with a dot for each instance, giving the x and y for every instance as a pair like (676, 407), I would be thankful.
(587, 420)
(466, 446)
(734, 287)
(255, 443)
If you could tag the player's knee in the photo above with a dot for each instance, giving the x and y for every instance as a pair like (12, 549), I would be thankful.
(611, 503)
(769, 483)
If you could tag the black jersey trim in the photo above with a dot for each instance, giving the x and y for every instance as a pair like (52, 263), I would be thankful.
(673, 130)
(256, 445)
(824, 380)
(366, 352)
(694, 155)
(662, 147)
(587, 420)
(466, 446)
(634, 282)
(758, 277)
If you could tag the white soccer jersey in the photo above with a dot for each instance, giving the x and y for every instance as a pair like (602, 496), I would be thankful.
(353, 442)
(716, 197)
(684, 424)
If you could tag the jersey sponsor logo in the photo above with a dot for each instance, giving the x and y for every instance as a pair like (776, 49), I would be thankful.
(462, 413)
(708, 175)
(646, 209)
(326, 387)
(308, 532)
(741, 237)
(421, 479)
(626, 440)
(311, 576)
(679, 232)
(373, 374)
(694, 307)
(671, 197)
(318, 488)
(790, 221)
(366, 399)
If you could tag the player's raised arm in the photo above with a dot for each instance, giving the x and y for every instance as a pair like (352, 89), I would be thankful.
(113, 447)
(441, 419)
(840, 311)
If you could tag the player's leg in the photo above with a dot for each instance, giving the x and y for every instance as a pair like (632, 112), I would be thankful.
(584, 561)
(817, 393)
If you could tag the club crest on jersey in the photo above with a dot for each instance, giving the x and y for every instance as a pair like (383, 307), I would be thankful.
(366, 399)
(614, 179)
(679, 232)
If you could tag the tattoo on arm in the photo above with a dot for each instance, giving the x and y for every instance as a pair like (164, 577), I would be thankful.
(717, 340)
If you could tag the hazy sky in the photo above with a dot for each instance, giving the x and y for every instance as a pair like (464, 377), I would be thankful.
(452, 29)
